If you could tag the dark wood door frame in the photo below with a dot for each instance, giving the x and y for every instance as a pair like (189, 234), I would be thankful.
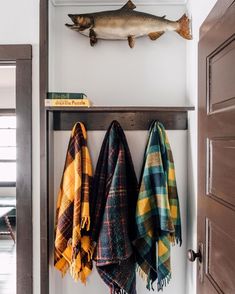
(21, 56)
(44, 234)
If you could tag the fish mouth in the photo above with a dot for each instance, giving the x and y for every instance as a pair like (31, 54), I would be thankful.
(73, 27)
(73, 17)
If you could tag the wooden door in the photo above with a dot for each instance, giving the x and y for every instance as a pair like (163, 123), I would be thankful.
(216, 136)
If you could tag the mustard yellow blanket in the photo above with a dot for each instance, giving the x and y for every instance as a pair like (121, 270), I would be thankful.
(72, 232)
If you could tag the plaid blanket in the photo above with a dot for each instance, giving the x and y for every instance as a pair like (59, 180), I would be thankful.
(157, 212)
(115, 196)
(72, 240)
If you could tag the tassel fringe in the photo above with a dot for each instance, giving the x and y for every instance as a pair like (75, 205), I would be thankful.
(162, 283)
(78, 269)
(64, 269)
(114, 290)
(85, 223)
(142, 274)
(75, 267)
(174, 239)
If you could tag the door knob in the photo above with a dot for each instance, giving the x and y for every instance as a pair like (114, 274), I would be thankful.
(192, 255)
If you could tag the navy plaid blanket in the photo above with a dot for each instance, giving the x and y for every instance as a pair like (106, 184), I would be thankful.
(113, 213)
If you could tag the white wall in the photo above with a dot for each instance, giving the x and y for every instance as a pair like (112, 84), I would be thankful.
(19, 24)
(198, 10)
(153, 73)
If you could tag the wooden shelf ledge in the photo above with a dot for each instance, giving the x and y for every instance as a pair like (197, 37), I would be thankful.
(131, 118)
(121, 108)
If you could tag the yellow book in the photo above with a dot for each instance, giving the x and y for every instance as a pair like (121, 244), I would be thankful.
(67, 103)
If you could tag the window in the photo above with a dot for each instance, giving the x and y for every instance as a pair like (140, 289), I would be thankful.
(7, 150)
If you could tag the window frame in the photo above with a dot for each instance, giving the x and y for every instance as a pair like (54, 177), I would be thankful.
(7, 112)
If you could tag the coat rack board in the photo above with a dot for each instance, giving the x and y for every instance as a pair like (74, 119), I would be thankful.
(131, 118)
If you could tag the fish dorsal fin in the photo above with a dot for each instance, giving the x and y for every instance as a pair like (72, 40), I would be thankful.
(128, 6)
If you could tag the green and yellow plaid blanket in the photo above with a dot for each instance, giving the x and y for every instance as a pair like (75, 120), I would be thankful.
(157, 212)
(73, 248)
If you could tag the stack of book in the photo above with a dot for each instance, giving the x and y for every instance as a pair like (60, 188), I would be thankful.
(60, 99)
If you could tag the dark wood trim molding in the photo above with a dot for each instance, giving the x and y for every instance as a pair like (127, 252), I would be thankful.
(7, 184)
(44, 237)
(21, 55)
(24, 176)
(7, 111)
(216, 13)
(18, 51)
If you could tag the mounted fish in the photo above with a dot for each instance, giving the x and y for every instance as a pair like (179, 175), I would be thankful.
(126, 24)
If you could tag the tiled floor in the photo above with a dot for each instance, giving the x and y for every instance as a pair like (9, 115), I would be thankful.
(7, 265)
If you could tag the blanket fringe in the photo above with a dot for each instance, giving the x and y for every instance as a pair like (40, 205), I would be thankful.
(174, 239)
(75, 267)
(117, 291)
(90, 253)
(162, 283)
(142, 274)
(85, 223)
(64, 269)
(178, 240)
(145, 277)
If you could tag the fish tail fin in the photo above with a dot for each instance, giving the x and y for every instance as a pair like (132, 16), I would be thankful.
(184, 29)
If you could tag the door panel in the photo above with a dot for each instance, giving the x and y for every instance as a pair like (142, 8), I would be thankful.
(221, 169)
(222, 86)
(220, 263)
(216, 158)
